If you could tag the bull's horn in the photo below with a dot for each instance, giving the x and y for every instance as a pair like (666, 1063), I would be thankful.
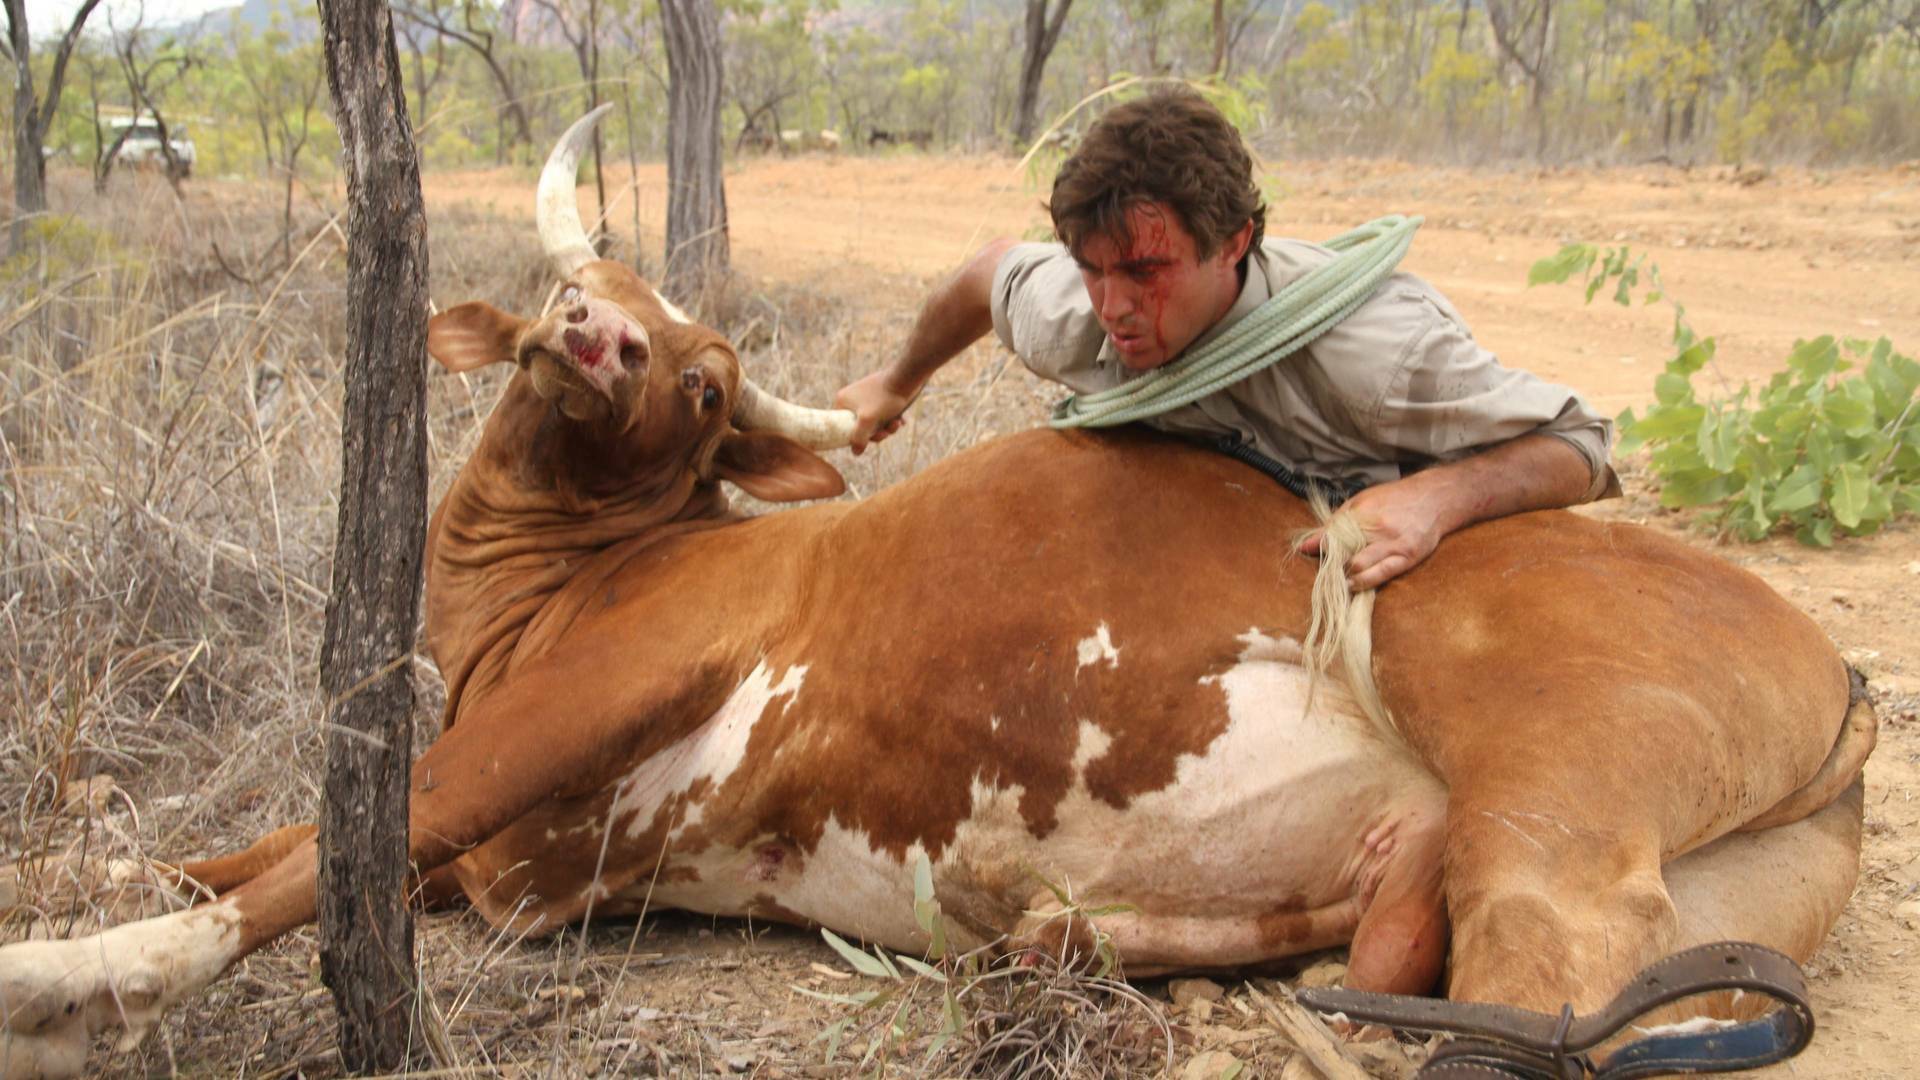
(816, 429)
(556, 208)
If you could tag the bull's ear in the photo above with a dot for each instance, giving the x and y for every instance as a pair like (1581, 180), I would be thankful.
(472, 335)
(775, 468)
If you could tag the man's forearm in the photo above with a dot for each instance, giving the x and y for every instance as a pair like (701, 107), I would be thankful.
(958, 314)
(1532, 472)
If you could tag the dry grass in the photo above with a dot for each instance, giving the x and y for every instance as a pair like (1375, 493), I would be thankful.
(169, 395)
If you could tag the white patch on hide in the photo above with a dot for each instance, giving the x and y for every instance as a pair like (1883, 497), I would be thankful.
(1278, 805)
(1093, 742)
(1099, 648)
(713, 753)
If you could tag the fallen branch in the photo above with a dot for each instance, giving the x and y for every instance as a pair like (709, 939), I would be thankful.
(1310, 1036)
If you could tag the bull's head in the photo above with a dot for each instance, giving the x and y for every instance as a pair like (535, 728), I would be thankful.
(632, 374)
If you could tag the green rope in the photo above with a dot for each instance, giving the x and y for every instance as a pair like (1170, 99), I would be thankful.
(1286, 323)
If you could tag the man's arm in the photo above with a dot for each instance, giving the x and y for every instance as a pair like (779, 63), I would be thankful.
(1405, 519)
(958, 314)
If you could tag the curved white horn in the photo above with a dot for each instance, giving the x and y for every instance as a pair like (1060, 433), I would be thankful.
(815, 429)
(556, 208)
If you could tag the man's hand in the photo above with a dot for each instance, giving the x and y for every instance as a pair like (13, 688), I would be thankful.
(959, 313)
(1404, 519)
(1402, 527)
(878, 407)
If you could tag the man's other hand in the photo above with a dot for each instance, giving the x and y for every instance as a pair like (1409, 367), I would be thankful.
(879, 408)
(1402, 527)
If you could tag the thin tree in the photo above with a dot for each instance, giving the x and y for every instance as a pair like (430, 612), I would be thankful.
(32, 117)
(475, 31)
(697, 245)
(1524, 31)
(1043, 33)
(366, 932)
(148, 77)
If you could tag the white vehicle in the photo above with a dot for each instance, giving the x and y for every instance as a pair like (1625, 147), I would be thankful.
(140, 147)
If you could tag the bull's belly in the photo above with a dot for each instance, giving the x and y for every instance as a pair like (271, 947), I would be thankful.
(1264, 845)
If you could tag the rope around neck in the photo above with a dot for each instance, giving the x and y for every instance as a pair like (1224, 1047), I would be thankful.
(1286, 323)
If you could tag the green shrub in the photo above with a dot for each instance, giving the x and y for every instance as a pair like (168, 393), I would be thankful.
(1829, 445)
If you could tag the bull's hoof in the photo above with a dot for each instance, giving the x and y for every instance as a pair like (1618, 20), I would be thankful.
(55, 996)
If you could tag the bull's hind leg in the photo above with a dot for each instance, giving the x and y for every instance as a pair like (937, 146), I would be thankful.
(225, 873)
(1549, 908)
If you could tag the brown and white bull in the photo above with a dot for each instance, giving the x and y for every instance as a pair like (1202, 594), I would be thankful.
(1066, 658)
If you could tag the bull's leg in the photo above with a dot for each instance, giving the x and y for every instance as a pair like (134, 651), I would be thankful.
(1400, 946)
(55, 996)
(499, 762)
(226, 873)
(1548, 906)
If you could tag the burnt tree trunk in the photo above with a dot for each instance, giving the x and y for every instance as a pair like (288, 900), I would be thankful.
(366, 932)
(1043, 33)
(697, 246)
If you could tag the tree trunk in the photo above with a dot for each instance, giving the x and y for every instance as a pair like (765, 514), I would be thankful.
(1043, 32)
(366, 931)
(1219, 38)
(29, 167)
(32, 117)
(697, 244)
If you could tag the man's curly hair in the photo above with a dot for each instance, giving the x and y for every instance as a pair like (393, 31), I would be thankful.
(1171, 146)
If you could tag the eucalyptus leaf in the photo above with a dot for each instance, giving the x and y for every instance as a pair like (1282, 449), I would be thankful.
(863, 962)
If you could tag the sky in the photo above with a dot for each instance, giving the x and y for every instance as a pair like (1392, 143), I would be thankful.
(47, 18)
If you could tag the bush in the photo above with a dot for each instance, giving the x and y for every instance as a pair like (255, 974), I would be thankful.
(1830, 445)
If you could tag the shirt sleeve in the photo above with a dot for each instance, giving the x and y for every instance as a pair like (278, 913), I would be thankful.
(1041, 312)
(1448, 397)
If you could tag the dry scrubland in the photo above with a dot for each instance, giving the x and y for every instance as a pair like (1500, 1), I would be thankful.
(168, 455)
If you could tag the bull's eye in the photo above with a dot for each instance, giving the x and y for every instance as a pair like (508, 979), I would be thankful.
(570, 294)
(711, 398)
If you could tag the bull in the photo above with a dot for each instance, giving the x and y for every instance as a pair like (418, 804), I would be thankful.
(1569, 748)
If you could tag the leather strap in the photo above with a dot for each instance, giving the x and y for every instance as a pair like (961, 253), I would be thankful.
(1505, 1042)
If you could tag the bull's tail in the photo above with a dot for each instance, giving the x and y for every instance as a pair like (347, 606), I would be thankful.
(1340, 626)
(1858, 733)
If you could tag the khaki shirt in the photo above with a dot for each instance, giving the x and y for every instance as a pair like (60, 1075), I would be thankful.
(1399, 385)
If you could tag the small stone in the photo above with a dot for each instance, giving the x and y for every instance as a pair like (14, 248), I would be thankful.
(1200, 1009)
(1908, 910)
(1187, 991)
(1323, 974)
(1913, 567)
(739, 1063)
(1213, 1065)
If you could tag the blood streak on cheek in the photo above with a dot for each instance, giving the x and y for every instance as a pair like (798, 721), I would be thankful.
(586, 350)
(1151, 244)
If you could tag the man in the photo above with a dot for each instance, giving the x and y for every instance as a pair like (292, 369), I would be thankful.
(1161, 249)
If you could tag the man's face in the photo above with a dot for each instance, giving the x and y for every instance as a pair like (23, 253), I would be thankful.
(1157, 295)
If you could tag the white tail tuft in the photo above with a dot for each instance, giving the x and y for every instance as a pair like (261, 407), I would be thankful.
(1340, 628)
